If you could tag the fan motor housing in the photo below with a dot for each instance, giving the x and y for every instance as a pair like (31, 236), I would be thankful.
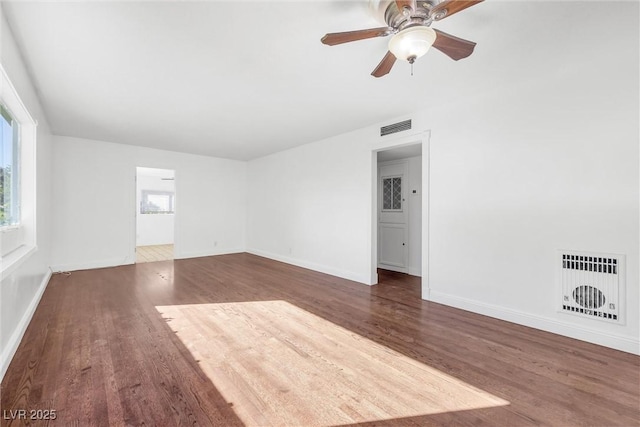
(388, 12)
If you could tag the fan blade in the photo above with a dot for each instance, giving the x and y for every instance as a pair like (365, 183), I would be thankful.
(385, 65)
(333, 39)
(449, 7)
(452, 46)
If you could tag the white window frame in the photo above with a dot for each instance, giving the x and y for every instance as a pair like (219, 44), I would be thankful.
(14, 141)
(18, 242)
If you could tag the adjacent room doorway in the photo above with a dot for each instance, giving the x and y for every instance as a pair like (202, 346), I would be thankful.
(400, 209)
(155, 214)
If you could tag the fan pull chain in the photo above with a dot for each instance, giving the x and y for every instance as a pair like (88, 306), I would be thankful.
(412, 69)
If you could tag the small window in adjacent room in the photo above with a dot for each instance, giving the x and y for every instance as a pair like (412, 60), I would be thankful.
(9, 169)
(156, 202)
(392, 194)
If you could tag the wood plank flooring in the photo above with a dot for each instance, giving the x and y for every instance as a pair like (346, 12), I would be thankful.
(242, 340)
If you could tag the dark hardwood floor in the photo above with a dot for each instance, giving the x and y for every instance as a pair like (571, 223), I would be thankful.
(243, 340)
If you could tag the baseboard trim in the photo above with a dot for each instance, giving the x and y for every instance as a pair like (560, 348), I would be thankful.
(393, 268)
(412, 271)
(618, 342)
(113, 262)
(312, 266)
(116, 262)
(12, 346)
(200, 254)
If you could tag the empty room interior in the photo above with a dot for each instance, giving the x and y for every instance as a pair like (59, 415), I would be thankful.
(320, 213)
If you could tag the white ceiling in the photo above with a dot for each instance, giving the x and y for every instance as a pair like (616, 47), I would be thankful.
(241, 79)
(400, 153)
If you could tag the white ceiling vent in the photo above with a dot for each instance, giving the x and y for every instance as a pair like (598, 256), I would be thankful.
(592, 285)
(395, 128)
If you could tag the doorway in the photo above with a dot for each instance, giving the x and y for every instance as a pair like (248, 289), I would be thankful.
(155, 214)
(399, 226)
(400, 209)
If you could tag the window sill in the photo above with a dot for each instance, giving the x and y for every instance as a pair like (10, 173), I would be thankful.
(14, 259)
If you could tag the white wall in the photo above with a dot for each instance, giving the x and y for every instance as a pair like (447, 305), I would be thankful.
(153, 229)
(95, 202)
(21, 290)
(549, 163)
(311, 206)
(545, 161)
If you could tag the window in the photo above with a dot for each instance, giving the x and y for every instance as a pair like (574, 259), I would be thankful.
(157, 202)
(17, 179)
(9, 169)
(392, 194)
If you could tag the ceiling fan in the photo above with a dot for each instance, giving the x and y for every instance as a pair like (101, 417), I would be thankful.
(410, 23)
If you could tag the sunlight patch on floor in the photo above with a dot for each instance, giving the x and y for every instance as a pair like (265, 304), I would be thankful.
(278, 364)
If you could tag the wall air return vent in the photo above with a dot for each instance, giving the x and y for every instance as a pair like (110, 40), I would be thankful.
(395, 128)
(592, 285)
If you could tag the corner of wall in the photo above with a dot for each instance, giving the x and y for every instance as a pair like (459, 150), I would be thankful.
(14, 341)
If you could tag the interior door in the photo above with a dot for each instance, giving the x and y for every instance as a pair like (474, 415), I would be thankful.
(393, 250)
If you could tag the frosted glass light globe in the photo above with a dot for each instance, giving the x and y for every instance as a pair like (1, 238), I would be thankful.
(412, 43)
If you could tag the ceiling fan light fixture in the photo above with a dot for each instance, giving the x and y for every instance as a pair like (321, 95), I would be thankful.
(412, 43)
